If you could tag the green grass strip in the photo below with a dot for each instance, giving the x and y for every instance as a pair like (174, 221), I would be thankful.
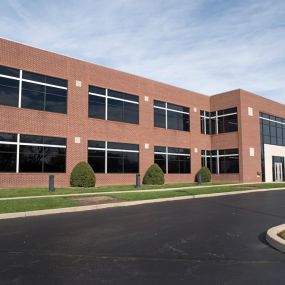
(186, 192)
(13, 206)
(282, 234)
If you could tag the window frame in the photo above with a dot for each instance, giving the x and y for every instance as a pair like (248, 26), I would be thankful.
(121, 150)
(167, 153)
(106, 96)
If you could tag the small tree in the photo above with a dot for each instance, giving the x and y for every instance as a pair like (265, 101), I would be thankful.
(154, 175)
(205, 174)
(82, 175)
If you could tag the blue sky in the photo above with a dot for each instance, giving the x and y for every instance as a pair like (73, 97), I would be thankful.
(204, 46)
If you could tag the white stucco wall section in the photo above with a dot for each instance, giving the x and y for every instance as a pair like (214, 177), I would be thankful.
(269, 151)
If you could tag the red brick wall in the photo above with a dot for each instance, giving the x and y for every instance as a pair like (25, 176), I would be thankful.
(77, 124)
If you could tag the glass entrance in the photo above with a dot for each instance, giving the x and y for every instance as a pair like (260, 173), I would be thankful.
(278, 171)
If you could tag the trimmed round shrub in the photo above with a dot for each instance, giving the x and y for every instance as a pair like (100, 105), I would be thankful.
(82, 175)
(205, 174)
(154, 175)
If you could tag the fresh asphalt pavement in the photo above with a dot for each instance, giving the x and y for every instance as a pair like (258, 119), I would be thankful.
(219, 240)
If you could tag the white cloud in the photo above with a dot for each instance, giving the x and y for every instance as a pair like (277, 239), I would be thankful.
(205, 46)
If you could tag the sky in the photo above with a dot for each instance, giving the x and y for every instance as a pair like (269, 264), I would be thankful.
(201, 45)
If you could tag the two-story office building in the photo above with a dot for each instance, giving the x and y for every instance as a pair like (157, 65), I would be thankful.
(56, 111)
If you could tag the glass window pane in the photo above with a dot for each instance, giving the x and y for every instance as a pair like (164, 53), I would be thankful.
(9, 71)
(9, 92)
(96, 107)
(160, 159)
(159, 118)
(97, 144)
(131, 113)
(159, 103)
(131, 162)
(8, 137)
(32, 100)
(56, 104)
(31, 159)
(54, 159)
(96, 158)
(97, 90)
(8, 158)
(115, 110)
(115, 162)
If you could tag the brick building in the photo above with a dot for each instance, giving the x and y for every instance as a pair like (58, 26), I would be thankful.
(56, 111)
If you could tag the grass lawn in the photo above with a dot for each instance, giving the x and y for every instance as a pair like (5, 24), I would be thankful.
(12, 206)
(282, 234)
(20, 205)
(22, 192)
(197, 191)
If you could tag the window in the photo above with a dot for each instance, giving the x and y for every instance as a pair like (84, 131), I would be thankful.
(171, 116)
(272, 129)
(172, 160)
(42, 154)
(222, 121)
(8, 152)
(9, 86)
(113, 105)
(113, 157)
(36, 153)
(221, 161)
(37, 91)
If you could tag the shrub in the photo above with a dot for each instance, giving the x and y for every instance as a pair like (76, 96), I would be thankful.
(154, 175)
(205, 174)
(82, 175)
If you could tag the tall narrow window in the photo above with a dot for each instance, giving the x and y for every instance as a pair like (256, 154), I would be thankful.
(8, 152)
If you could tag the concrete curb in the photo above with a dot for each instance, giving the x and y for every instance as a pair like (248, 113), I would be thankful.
(274, 240)
(124, 204)
(126, 191)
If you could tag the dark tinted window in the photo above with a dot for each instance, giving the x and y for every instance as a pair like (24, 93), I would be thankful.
(122, 95)
(44, 79)
(159, 118)
(178, 121)
(178, 164)
(8, 155)
(96, 158)
(9, 71)
(160, 159)
(97, 90)
(9, 92)
(96, 107)
(125, 146)
(159, 149)
(229, 164)
(159, 103)
(8, 137)
(96, 144)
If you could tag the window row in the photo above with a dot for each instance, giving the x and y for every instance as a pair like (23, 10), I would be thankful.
(173, 160)
(222, 121)
(29, 153)
(113, 157)
(24, 89)
(272, 129)
(171, 116)
(113, 105)
(221, 161)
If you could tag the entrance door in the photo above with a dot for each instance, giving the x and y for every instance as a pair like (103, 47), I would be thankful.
(278, 171)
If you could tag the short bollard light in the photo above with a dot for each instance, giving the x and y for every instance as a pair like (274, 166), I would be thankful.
(138, 182)
(51, 183)
(199, 178)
